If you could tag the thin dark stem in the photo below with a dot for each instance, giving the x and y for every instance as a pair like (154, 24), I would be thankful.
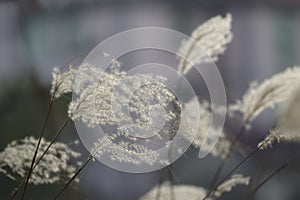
(273, 174)
(231, 172)
(37, 148)
(73, 177)
(171, 178)
(15, 192)
(161, 180)
(258, 172)
(217, 174)
(266, 180)
(171, 172)
(224, 160)
(53, 140)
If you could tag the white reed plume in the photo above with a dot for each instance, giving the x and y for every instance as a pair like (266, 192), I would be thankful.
(55, 167)
(289, 114)
(277, 136)
(119, 98)
(207, 42)
(181, 192)
(62, 82)
(191, 192)
(124, 151)
(267, 94)
(133, 104)
(223, 144)
(228, 185)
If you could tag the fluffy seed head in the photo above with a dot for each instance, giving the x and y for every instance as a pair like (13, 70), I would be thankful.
(207, 42)
(55, 167)
(278, 136)
(267, 94)
(222, 146)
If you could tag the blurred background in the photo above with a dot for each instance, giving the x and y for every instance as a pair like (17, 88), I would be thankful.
(36, 35)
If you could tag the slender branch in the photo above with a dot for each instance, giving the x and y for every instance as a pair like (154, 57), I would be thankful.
(231, 172)
(273, 174)
(171, 171)
(91, 156)
(224, 160)
(161, 180)
(37, 148)
(266, 180)
(171, 178)
(217, 173)
(258, 172)
(52, 141)
(42, 133)
(15, 192)
(73, 177)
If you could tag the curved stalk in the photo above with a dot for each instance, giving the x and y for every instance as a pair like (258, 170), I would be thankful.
(15, 192)
(73, 177)
(224, 160)
(266, 180)
(37, 148)
(231, 172)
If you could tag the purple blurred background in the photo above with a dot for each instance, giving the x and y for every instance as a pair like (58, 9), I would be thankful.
(37, 35)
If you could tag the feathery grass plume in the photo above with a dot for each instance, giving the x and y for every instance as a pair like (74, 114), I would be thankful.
(125, 146)
(142, 112)
(222, 146)
(234, 180)
(55, 167)
(289, 114)
(211, 39)
(93, 106)
(267, 94)
(104, 101)
(181, 192)
(62, 82)
(277, 136)
(124, 151)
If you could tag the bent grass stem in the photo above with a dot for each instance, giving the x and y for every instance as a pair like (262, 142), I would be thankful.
(231, 172)
(15, 192)
(224, 160)
(73, 177)
(37, 148)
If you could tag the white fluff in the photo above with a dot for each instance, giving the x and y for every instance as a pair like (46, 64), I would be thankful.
(267, 94)
(55, 167)
(207, 42)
